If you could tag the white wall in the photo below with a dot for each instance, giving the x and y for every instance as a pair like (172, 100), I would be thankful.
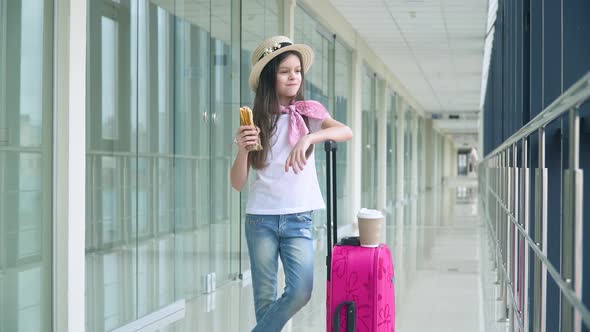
(69, 165)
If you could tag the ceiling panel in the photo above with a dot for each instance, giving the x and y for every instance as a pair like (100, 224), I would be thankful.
(434, 47)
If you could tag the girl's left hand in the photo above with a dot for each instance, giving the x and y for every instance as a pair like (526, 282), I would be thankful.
(297, 158)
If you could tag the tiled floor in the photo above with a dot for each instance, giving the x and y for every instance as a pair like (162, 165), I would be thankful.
(436, 240)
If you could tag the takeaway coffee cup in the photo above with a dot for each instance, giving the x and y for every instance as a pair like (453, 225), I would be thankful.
(370, 223)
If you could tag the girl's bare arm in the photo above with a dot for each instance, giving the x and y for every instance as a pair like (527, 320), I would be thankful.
(331, 130)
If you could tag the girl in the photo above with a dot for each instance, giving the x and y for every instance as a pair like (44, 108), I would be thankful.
(286, 191)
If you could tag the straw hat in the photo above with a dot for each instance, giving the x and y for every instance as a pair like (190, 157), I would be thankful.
(269, 49)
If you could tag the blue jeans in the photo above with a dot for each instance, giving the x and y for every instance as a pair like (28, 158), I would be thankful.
(288, 237)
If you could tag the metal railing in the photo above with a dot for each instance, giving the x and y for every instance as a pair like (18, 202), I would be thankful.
(505, 187)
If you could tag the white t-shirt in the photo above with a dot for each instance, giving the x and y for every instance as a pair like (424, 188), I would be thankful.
(275, 192)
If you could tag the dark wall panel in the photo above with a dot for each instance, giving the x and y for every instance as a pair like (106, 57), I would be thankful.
(552, 88)
(540, 49)
(576, 63)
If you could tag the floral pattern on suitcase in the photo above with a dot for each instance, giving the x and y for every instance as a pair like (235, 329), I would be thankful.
(353, 279)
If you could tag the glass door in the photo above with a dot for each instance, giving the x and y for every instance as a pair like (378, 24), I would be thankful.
(408, 144)
(391, 153)
(192, 117)
(225, 61)
(206, 115)
(369, 142)
(111, 166)
(342, 82)
(319, 85)
(160, 100)
(421, 158)
(259, 20)
(408, 118)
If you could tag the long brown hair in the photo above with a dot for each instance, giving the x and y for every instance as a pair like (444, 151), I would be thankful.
(266, 107)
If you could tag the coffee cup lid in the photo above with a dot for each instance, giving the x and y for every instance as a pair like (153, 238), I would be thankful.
(369, 214)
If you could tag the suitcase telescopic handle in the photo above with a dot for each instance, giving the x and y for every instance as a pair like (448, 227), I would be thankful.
(331, 206)
(350, 316)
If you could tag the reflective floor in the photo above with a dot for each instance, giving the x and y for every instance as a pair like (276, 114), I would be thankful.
(437, 242)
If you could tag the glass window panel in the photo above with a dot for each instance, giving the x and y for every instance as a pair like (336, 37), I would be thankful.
(165, 199)
(30, 232)
(113, 288)
(317, 83)
(165, 265)
(369, 148)
(29, 300)
(26, 122)
(151, 174)
(225, 103)
(3, 74)
(141, 199)
(145, 275)
(164, 116)
(109, 86)
(133, 73)
(109, 199)
(408, 152)
(260, 20)
(112, 163)
(142, 77)
(342, 109)
(31, 69)
(420, 158)
(391, 152)
(307, 31)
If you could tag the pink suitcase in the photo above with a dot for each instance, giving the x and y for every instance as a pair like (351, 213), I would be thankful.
(360, 287)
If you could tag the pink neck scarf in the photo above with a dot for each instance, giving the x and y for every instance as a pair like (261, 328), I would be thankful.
(297, 127)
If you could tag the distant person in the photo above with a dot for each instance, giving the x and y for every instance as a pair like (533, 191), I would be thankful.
(286, 191)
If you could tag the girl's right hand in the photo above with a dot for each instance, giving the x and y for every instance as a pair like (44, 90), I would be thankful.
(246, 137)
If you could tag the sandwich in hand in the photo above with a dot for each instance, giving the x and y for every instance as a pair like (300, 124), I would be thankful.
(246, 116)
(247, 119)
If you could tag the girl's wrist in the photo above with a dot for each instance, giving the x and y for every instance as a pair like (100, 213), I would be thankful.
(310, 138)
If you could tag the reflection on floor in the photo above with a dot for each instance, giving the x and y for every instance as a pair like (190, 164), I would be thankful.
(436, 240)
